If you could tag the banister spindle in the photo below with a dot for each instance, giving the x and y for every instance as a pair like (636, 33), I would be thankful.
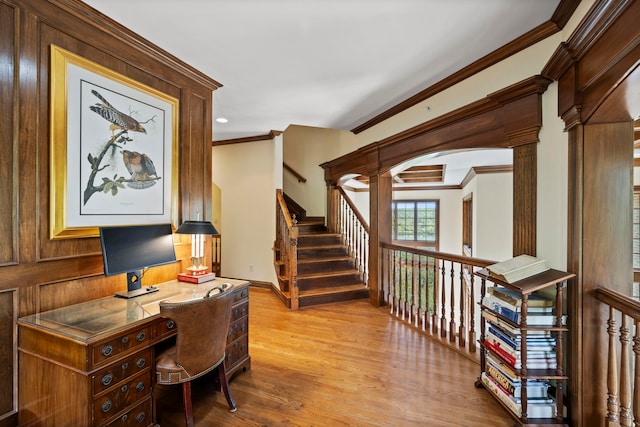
(452, 318)
(636, 380)
(443, 302)
(472, 316)
(461, 329)
(625, 375)
(612, 372)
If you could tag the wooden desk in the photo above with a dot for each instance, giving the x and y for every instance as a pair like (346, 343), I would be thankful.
(91, 364)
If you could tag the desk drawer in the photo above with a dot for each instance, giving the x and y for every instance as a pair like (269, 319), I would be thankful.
(237, 329)
(121, 343)
(164, 328)
(240, 294)
(137, 416)
(239, 311)
(236, 351)
(113, 374)
(134, 389)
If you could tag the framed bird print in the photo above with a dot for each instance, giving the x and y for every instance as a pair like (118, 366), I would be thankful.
(114, 157)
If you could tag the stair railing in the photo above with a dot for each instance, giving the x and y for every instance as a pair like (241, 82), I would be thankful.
(623, 393)
(355, 232)
(286, 250)
(436, 292)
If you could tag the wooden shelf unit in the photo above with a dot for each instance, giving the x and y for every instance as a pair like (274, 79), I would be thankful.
(525, 288)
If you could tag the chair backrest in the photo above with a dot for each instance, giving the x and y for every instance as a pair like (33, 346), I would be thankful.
(203, 325)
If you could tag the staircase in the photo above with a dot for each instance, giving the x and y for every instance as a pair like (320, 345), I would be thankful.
(326, 273)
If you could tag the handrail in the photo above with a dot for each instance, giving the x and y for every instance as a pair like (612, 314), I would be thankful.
(286, 250)
(296, 174)
(620, 302)
(623, 406)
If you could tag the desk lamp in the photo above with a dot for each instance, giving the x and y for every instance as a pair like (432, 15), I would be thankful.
(197, 270)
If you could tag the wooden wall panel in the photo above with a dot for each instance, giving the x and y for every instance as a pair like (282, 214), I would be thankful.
(8, 206)
(36, 272)
(525, 184)
(8, 339)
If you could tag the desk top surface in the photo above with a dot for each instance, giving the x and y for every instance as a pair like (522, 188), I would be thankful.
(90, 319)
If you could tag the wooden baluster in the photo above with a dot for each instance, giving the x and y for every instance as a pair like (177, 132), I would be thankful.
(472, 315)
(612, 373)
(636, 380)
(422, 303)
(434, 297)
(483, 353)
(415, 302)
(405, 287)
(462, 333)
(443, 303)
(452, 318)
(625, 375)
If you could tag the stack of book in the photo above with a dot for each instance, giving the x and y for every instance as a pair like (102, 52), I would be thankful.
(508, 303)
(503, 342)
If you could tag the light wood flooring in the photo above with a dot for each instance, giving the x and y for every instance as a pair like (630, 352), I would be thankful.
(348, 364)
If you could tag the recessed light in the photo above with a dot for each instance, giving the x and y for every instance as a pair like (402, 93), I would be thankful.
(221, 120)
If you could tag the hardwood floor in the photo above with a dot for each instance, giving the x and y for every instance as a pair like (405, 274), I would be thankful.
(347, 364)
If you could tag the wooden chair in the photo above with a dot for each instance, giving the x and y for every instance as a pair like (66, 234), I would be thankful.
(202, 325)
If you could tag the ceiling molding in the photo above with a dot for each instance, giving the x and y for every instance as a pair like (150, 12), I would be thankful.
(115, 30)
(479, 170)
(559, 19)
(268, 136)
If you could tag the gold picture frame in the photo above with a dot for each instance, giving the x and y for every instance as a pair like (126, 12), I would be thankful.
(113, 151)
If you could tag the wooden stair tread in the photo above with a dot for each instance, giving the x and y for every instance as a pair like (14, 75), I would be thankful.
(322, 260)
(333, 290)
(328, 274)
(329, 246)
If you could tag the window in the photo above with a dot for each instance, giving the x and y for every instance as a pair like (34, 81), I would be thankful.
(415, 221)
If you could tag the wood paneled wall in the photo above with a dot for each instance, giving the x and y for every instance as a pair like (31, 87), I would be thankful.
(37, 273)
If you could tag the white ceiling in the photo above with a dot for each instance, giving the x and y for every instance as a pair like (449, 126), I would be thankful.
(324, 63)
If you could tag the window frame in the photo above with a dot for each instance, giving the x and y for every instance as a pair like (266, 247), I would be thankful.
(427, 244)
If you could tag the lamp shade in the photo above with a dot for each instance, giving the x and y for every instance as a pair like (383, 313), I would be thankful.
(197, 227)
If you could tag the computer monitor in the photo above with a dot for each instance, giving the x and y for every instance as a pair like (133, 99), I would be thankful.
(133, 249)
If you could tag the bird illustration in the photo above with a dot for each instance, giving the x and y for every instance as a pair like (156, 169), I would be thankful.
(118, 119)
(141, 169)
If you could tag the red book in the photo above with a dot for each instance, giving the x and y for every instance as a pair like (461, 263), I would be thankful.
(199, 278)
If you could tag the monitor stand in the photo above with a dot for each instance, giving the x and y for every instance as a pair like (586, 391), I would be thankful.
(134, 288)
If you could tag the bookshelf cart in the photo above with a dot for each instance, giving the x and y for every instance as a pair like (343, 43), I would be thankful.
(524, 288)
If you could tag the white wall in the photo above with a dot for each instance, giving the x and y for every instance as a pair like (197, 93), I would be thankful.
(304, 150)
(551, 213)
(247, 177)
(493, 212)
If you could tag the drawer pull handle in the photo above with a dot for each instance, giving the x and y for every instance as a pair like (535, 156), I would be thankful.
(243, 294)
(106, 406)
(107, 350)
(125, 340)
(140, 386)
(141, 362)
(125, 365)
(124, 388)
(244, 311)
(228, 357)
(106, 380)
(140, 417)
(243, 327)
(124, 418)
(229, 335)
(141, 336)
(171, 324)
